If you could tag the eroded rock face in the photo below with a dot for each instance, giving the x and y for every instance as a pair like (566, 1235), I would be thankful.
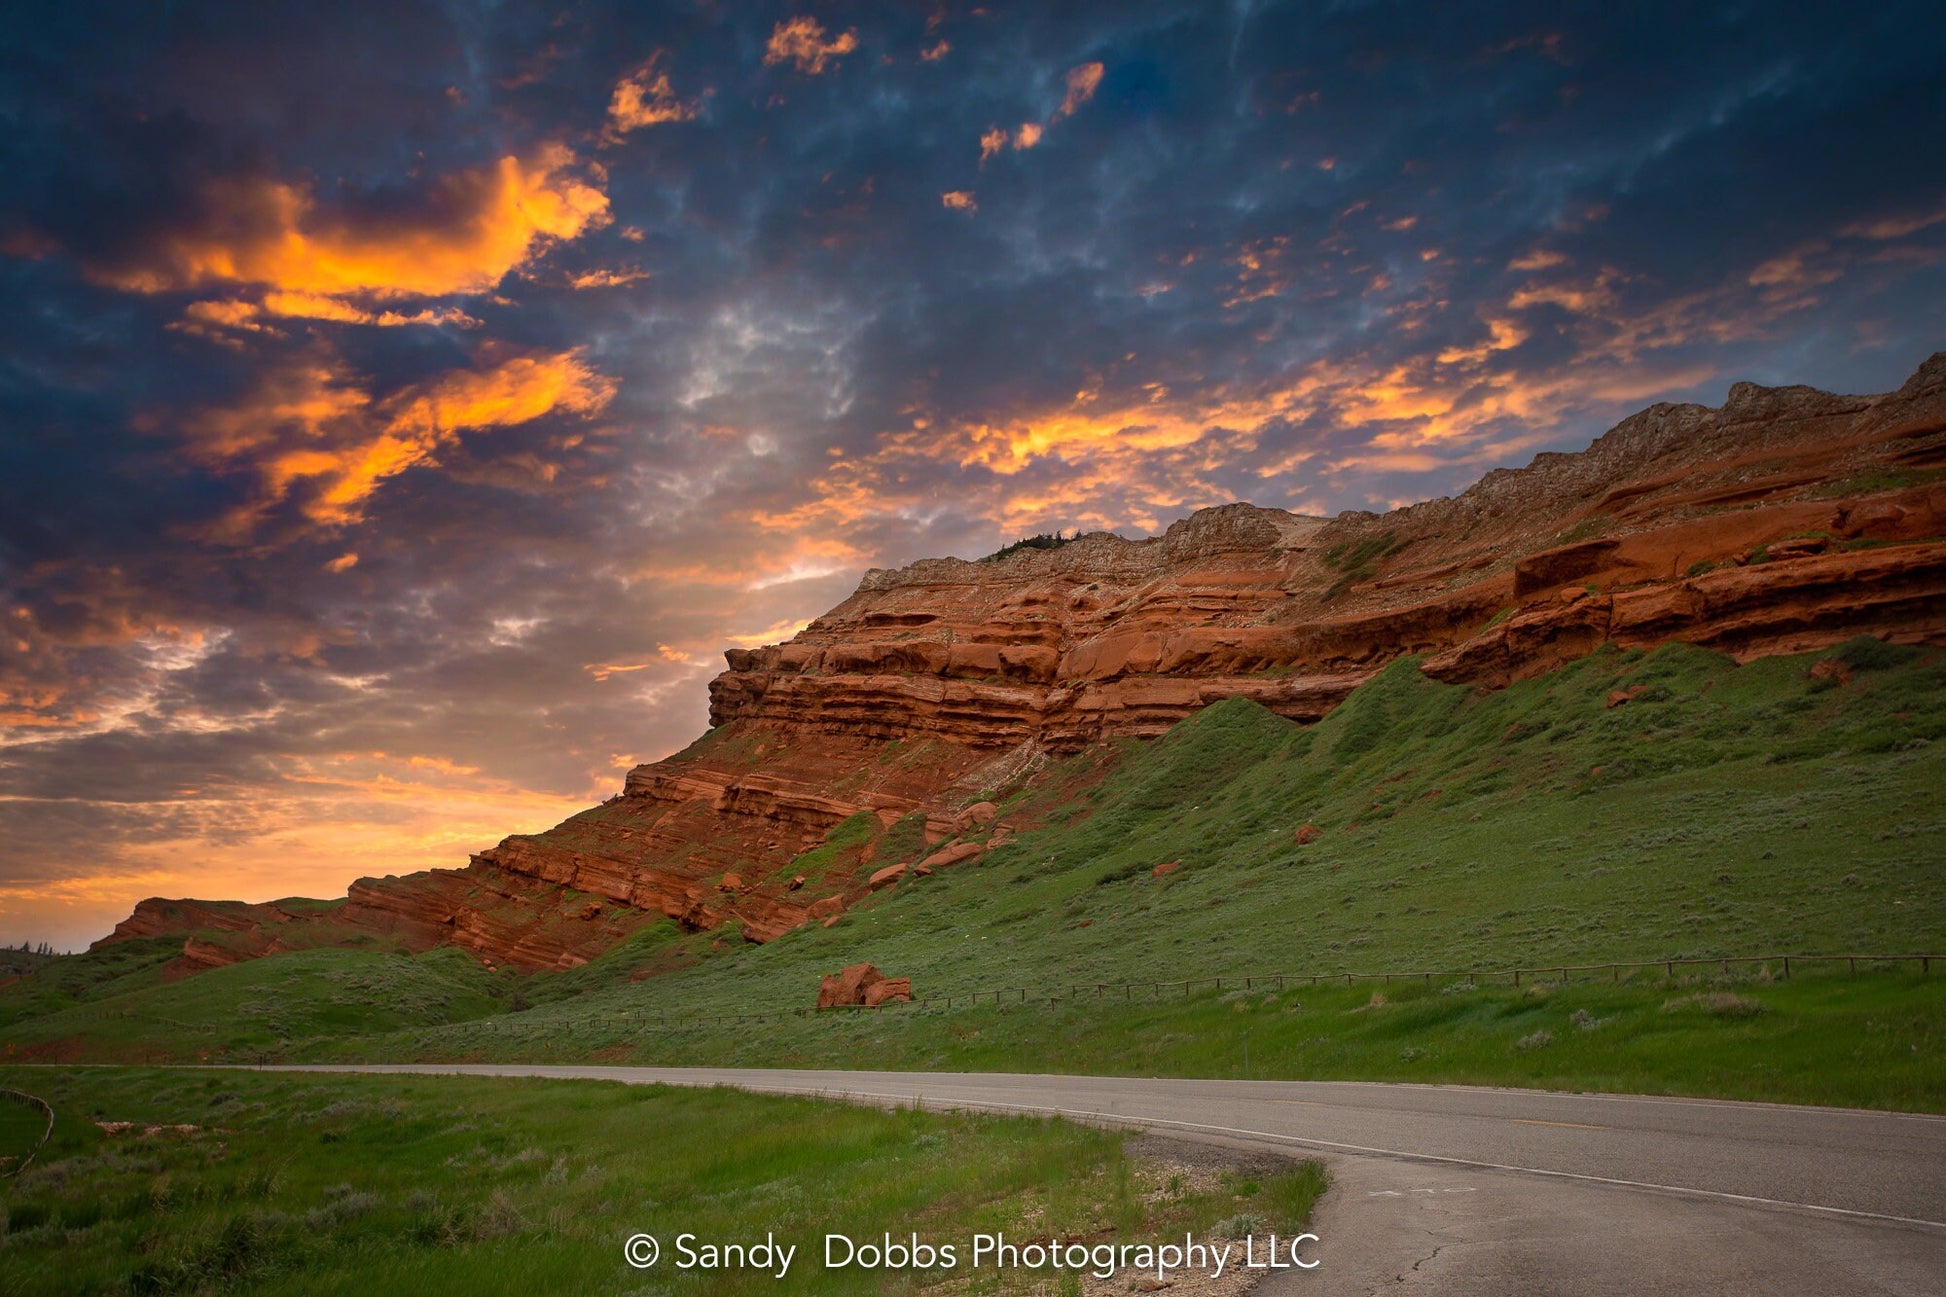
(1785, 521)
(861, 985)
(887, 990)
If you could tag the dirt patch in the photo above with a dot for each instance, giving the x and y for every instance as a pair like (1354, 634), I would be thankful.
(1169, 1168)
(62, 1049)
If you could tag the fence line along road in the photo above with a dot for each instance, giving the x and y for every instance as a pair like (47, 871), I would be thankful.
(1246, 982)
(1153, 989)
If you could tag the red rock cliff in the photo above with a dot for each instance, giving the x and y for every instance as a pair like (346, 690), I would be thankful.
(1786, 520)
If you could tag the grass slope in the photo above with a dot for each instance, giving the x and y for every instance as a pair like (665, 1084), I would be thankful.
(243, 1009)
(1724, 810)
(375, 1185)
(1877, 1040)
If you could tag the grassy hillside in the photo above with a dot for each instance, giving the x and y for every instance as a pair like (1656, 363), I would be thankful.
(114, 1003)
(236, 1181)
(1784, 806)
(81, 979)
(1724, 810)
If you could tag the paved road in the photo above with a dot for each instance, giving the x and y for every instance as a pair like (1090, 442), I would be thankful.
(1457, 1190)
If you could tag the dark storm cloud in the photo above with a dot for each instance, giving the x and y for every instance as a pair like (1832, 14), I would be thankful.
(403, 405)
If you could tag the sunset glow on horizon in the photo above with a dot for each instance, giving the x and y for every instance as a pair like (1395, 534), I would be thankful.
(405, 406)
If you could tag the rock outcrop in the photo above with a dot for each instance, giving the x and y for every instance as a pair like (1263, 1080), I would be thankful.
(861, 985)
(1786, 520)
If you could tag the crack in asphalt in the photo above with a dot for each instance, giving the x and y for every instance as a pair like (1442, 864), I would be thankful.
(1430, 1256)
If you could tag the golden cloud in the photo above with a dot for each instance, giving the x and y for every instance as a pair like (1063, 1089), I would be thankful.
(227, 315)
(1089, 427)
(646, 98)
(960, 200)
(472, 228)
(1082, 84)
(1261, 270)
(1588, 297)
(802, 41)
(211, 318)
(311, 426)
(1502, 335)
(1133, 452)
(607, 278)
(1024, 136)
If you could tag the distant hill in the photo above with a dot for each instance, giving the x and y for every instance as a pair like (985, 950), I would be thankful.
(14, 961)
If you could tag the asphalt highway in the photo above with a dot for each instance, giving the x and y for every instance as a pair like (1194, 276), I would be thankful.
(1461, 1190)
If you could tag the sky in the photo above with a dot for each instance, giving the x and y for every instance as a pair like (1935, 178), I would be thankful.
(402, 405)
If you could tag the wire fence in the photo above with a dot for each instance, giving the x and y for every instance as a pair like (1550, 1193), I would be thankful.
(1046, 998)
(39, 1105)
(1187, 987)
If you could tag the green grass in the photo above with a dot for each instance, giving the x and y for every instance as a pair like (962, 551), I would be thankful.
(1873, 1040)
(311, 1184)
(1878, 479)
(248, 1008)
(80, 979)
(25, 960)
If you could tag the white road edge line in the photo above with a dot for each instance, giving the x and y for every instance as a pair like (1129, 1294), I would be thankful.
(1118, 1119)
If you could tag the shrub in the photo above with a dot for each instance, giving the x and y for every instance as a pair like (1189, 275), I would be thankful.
(1869, 653)
(1718, 1004)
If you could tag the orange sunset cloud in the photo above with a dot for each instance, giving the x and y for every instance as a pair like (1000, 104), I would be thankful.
(1081, 85)
(802, 41)
(646, 98)
(470, 230)
(311, 424)
(1083, 81)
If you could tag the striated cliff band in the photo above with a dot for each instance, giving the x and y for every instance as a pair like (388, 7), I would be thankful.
(869, 745)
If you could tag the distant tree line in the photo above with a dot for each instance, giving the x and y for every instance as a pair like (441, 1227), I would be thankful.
(1045, 540)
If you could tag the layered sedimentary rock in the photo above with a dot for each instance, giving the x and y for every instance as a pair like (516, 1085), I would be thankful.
(1787, 519)
(857, 756)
